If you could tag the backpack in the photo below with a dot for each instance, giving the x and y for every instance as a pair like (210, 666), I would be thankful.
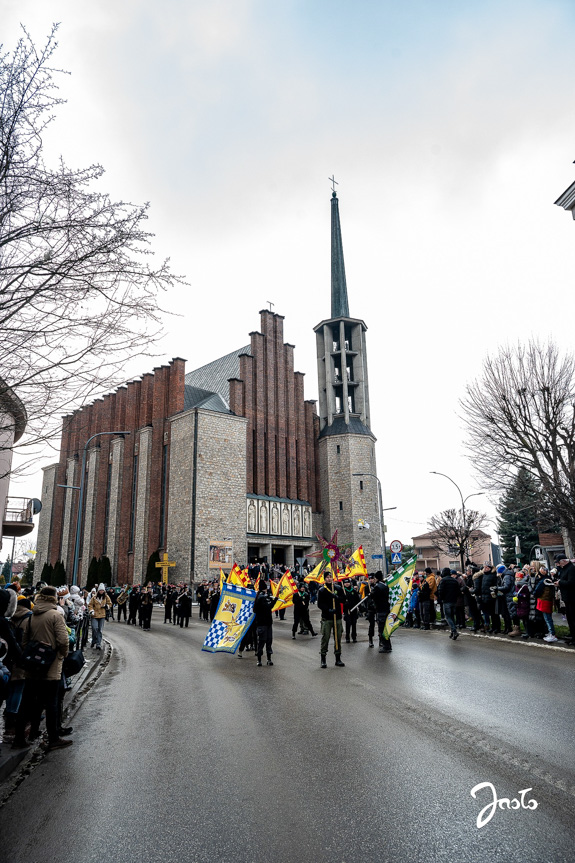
(37, 657)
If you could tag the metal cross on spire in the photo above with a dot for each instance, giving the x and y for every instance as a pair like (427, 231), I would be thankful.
(333, 182)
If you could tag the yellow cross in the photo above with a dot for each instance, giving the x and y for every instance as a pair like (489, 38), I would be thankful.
(163, 564)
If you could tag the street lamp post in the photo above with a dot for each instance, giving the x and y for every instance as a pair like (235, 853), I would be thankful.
(81, 499)
(475, 494)
(381, 524)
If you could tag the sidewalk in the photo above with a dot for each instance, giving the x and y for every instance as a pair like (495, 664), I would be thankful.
(95, 663)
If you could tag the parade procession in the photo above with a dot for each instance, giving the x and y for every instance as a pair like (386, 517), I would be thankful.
(287, 547)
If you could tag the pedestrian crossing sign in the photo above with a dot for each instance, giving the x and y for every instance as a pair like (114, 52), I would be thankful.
(396, 557)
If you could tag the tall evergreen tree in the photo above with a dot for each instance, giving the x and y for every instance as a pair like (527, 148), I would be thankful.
(105, 571)
(93, 574)
(6, 570)
(28, 574)
(59, 574)
(46, 574)
(518, 516)
(153, 573)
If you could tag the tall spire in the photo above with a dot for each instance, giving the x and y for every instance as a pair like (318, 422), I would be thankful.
(339, 304)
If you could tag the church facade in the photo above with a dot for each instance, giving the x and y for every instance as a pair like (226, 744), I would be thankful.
(227, 462)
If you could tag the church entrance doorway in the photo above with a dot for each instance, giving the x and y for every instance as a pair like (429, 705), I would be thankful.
(278, 555)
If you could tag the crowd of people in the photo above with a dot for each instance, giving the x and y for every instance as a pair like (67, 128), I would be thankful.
(513, 601)
(43, 630)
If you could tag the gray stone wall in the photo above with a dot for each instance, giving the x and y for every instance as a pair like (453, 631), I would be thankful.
(220, 487)
(45, 518)
(356, 455)
(220, 490)
(142, 505)
(117, 456)
(89, 513)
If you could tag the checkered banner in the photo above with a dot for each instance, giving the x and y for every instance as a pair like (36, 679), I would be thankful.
(232, 619)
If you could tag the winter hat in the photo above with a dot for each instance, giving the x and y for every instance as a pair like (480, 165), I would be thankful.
(101, 586)
(74, 589)
(445, 571)
(500, 568)
(48, 592)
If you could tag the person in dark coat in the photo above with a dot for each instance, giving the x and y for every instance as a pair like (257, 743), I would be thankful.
(169, 604)
(352, 599)
(185, 608)
(133, 605)
(449, 591)
(380, 597)
(566, 573)
(214, 599)
(146, 607)
(370, 611)
(263, 605)
(489, 597)
(331, 601)
(301, 611)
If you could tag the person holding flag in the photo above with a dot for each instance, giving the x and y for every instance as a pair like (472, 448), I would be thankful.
(264, 621)
(379, 596)
(331, 602)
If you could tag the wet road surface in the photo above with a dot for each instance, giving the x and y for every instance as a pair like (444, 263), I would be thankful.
(181, 755)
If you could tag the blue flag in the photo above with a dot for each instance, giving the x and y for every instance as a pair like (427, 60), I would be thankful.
(232, 619)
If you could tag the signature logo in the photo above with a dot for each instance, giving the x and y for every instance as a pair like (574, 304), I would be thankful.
(488, 811)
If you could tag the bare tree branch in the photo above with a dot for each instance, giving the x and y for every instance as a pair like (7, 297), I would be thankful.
(521, 414)
(78, 291)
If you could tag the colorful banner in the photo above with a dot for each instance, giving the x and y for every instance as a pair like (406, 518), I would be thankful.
(284, 591)
(238, 576)
(316, 574)
(399, 583)
(357, 569)
(234, 615)
(220, 554)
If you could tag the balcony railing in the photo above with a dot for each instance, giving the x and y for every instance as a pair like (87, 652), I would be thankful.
(18, 516)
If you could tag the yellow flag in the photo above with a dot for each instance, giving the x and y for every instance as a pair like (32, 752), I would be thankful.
(222, 579)
(357, 567)
(237, 576)
(316, 575)
(285, 589)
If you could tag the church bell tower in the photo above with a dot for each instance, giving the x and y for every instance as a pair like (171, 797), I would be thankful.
(349, 491)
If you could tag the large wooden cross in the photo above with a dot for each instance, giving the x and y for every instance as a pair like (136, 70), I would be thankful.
(164, 565)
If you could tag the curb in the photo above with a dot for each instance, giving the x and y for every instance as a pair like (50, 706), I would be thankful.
(501, 639)
(27, 759)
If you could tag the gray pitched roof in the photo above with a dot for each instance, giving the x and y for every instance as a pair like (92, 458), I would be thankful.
(194, 397)
(213, 377)
(339, 426)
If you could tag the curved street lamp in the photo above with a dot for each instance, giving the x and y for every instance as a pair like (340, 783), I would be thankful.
(474, 494)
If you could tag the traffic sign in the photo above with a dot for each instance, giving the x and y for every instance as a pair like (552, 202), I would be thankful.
(377, 556)
(396, 557)
(396, 546)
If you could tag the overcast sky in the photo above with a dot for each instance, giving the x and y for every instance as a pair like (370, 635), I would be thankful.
(450, 129)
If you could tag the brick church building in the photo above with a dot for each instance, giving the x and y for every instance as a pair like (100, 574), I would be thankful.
(225, 462)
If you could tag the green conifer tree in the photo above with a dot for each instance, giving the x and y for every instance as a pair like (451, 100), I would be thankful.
(93, 574)
(59, 574)
(518, 513)
(105, 571)
(47, 572)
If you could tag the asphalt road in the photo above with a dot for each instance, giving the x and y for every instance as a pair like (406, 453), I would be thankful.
(181, 755)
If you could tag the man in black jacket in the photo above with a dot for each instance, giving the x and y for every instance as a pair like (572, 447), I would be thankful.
(264, 621)
(331, 602)
(566, 573)
(449, 592)
(380, 598)
(301, 611)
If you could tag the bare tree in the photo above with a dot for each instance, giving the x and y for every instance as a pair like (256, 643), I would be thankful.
(455, 530)
(78, 293)
(521, 414)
